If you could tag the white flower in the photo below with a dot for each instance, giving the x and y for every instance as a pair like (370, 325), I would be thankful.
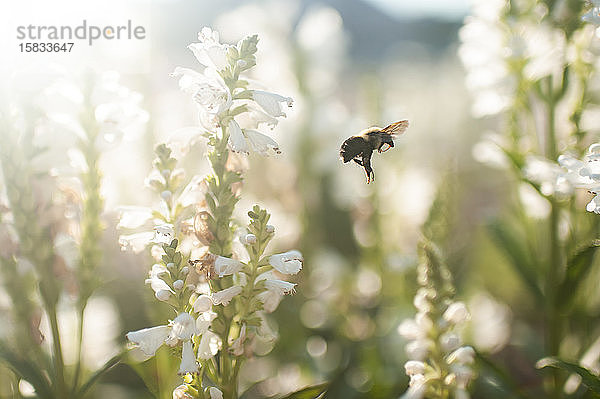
(416, 389)
(209, 52)
(183, 327)
(421, 301)
(188, 360)
(202, 304)
(194, 191)
(210, 344)
(163, 234)
(149, 339)
(270, 300)
(418, 349)
(463, 355)
(215, 393)
(203, 321)
(413, 367)
(208, 90)
(456, 313)
(287, 262)
(409, 329)
(132, 217)
(161, 289)
(237, 141)
(261, 143)
(226, 266)
(548, 175)
(225, 296)
(450, 341)
(136, 242)
(271, 283)
(271, 102)
(585, 174)
(181, 392)
(544, 48)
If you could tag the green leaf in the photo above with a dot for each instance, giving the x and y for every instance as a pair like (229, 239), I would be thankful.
(309, 392)
(28, 371)
(99, 373)
(517, 254)
(587, 378)
(578, 267)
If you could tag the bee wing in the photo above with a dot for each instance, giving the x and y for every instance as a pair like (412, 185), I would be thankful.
(396, 128)
(351, 148)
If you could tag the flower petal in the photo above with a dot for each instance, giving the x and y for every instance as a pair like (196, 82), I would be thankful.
(237, 141)
(188, 360)
(210, 343)
(149, 339)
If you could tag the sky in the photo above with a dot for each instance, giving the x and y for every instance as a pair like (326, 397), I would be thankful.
(447, 9)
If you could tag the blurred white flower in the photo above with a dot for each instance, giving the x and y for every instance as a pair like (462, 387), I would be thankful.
(544, 49)
(489, 151)
(550, 177)
(456, 313)
(463, 355)
(490, 323)
(413, 367)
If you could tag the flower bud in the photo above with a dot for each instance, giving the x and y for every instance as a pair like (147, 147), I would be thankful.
(270, 229)
(166, 195)
(178, 284)
(250, 239)
(185, 270)
(162, 295)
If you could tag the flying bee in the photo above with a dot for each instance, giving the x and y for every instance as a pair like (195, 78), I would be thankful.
(360, 148)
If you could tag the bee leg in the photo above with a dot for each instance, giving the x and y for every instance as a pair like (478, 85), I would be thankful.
(358, 161)
(368, 169)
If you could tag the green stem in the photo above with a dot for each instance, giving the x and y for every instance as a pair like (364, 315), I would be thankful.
(59, 365)
(553, 328)
(79, 347)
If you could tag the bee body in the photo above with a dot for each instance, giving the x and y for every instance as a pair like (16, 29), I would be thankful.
(360, 148)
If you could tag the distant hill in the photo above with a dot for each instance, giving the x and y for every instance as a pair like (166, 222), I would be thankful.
(374, 34)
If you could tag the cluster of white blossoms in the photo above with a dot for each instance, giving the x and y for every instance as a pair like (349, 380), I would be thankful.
(220, 301)
(439, 361)
(585, 174)
(225, 100)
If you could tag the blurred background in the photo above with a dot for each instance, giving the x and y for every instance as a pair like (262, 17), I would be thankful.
(348, 65)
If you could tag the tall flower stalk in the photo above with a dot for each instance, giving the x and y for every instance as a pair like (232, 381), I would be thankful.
(440, 366)
(48, 214)
(223, 315)
(534, 75)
